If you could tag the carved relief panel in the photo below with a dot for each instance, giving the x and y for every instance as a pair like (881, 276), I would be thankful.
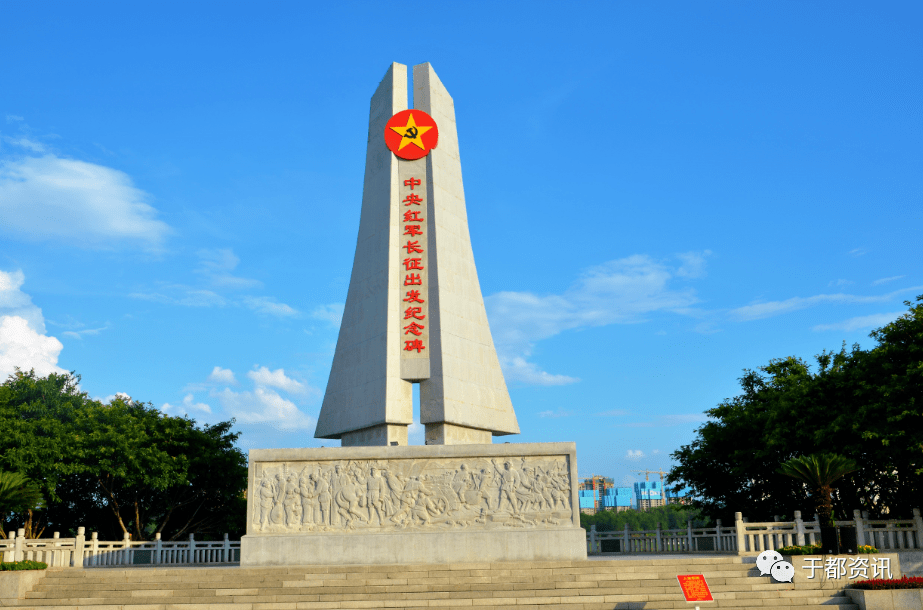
(385, 495)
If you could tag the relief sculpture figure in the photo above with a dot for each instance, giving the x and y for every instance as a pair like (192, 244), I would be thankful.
(509, 481)
(266, 495)
(306, 488)
(291, 501)
(323, 499)
(377, 490)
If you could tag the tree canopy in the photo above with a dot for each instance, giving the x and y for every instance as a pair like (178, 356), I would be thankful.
(122, 467)
(671, 516)
(866, 405)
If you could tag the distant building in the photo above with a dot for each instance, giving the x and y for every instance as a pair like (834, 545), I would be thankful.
(680, 496)
(599, 493)
(649, 494)
(617, 499)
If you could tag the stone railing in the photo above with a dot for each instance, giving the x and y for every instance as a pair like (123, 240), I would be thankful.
(745, 538)
(79, 552)
(690, 539)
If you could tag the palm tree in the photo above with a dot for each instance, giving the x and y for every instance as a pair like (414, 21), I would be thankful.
(819, 471)
(17, 494)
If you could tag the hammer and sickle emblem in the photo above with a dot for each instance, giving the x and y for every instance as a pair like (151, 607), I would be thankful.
(411, 133)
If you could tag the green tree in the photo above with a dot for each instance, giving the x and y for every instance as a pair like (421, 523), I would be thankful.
(672, 516)
(862, 404)
(17, 494)
(122, 467)
(819, 471)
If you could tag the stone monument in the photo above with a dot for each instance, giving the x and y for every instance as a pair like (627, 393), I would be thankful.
(414, 314)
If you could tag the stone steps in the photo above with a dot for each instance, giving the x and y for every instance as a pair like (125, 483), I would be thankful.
(577, 585)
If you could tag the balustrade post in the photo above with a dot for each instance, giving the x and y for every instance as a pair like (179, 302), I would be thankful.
(158, 546)
(799, 529)
(226, 550)
(125, 555)
(191, 558)
(918, 522)
(689, 536)
(627, 541)
(741, 534)
(718, 544)
(19, 545)
(659, 539)
(860, 527)
(79, 542)
(55, 551)
(817, 529)
(593, 538)
(94, 549)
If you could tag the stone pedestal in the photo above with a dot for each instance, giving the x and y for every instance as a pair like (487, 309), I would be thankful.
(413, 504)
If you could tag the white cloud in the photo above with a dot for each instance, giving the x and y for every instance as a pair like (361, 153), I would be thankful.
(839, 283)
(332, 313)
(15, 302)
(23, 142)
(215, 265)
(276, 379)
(23, 342)
(112, 397)
(768, 309)
(264, 406)
(634, 454)
(79, 334)
(269, 306)
(622, 291)
(182, 295)
(21, 346)
(63, 200)
(188, 406)
(858, 251)
(518, 369)
(693, 264)
(885, 280)
(555, 414)
(861, 322)
(220, 375)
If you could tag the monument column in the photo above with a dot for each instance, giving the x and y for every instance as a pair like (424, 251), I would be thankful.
(414, 311)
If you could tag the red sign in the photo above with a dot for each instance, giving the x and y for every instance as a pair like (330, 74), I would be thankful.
(411, 134)
(695, 588)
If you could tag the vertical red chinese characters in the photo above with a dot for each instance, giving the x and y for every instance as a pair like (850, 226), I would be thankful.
(412, 258)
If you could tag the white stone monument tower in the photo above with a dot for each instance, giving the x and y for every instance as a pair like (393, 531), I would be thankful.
(463, 397)
(414, 314)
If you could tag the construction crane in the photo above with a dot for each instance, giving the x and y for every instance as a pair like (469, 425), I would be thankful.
(647, 475)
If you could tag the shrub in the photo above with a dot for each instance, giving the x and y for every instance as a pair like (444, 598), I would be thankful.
(907, 582)
(867, 548)
(801, 550)
(8, 566)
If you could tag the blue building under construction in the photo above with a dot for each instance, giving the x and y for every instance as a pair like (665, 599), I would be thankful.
(598, 493)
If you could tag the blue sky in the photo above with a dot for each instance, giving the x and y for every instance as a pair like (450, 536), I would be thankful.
(659, 196)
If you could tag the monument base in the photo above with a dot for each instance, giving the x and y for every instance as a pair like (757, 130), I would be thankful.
(422, 504)
(565, 544)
